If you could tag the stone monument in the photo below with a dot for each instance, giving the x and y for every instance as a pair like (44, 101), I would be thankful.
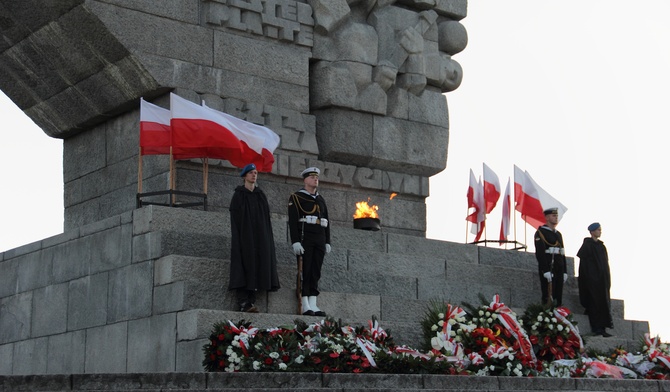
(355, 87)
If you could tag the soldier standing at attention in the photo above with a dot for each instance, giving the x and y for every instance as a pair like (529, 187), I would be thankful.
(550, 255)
(310, 236)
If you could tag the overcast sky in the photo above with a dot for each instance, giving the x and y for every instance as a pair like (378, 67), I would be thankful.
(574, 91)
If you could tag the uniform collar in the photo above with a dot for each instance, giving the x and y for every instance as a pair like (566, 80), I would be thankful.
(303, 190)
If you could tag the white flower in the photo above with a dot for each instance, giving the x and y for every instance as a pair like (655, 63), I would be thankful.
(257, 365)
(546, 319)
(452, 321)
(559, 327)
(489, 320)
(488, 314)
(553, 320)
(299, 359)
(550, 326)
(282, 366)
(474, 319)
(494, 316)
(492, 368)
(440, 315)
(433, 328)
(534, 327)
(539, 317)
(481, 312)
(440, 323)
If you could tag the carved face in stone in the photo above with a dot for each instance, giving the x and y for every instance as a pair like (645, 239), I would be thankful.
(390, 60)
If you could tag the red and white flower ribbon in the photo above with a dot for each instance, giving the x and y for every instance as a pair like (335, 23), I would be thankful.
(509, 321)
(561, 313)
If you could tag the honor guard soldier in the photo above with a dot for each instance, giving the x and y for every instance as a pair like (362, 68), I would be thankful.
(550, 255)
(310, 236)
(253, 262)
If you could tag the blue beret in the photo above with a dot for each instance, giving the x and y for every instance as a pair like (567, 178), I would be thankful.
(247, 169)
(594, 226)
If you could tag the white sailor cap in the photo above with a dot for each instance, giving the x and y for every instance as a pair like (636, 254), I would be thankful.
(309, 171)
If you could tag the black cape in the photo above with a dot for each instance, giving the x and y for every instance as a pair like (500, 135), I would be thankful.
(253, 262)
(594, 283)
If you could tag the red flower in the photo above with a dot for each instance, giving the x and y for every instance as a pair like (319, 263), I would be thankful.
(334, 355)
(355, 357)
(285, 358)
(559, 340)
(533, 339)
(222, 363)
(222, 337)
(357, 370)
(316, 360)
(268, 361)
(326, 369)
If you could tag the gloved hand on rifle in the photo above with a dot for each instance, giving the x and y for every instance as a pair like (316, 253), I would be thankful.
(565, 277)
(547, 276)
(327, 248)
(298, 249)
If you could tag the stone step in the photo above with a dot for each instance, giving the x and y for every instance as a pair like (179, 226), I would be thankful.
(186, 282)
(187, 381)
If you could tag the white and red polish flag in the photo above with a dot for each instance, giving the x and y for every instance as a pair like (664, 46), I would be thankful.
(196, 134)
(261, 140)
(531, 200)
(476, 201)
(491, 188)
(200, 131)
(155, 131)
(506, 208)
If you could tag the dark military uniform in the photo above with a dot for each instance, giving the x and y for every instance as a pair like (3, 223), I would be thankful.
(550, 255)
(305, 212)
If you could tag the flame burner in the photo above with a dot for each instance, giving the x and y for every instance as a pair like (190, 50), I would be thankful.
(370, 224)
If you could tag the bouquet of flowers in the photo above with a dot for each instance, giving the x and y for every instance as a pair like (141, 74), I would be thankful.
(499, 338)
(553, 333)
(229, 346)
(333, 348)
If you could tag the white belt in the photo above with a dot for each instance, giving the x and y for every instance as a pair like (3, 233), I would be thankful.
(554, 250)
(310, 219)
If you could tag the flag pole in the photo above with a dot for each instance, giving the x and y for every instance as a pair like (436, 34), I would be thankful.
(466, 226)
(172, 196)
(139, 171)
(205, 174)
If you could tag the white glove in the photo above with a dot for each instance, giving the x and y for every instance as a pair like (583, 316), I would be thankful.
(324, 222)
(327, 248)
(298, 249)
(547, 275)
(565, 277)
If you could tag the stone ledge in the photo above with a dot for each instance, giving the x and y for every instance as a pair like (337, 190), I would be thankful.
(314, 381)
